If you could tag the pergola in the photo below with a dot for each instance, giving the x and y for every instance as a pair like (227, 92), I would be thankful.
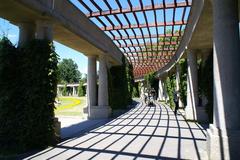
(147, 32)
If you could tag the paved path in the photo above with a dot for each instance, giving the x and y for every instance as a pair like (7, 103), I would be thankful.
(73, 126)
(142, 133)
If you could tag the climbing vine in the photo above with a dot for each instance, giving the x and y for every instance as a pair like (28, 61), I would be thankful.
(10, 109)
(183, 81)
(151, 81)
(170, 83)
(39, 64)
(136, 90)
(119, 90)
(27, 105)
(206, 84)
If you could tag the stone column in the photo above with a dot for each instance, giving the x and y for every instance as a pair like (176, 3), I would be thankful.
(91, 84)
(58, 91)
(74, 91)
(160, 90)
(165, 95)
(223, 137)
(177, 77)
(44, 30)
(178, 71)
(26, 33)
(192, 87)
(103, 82)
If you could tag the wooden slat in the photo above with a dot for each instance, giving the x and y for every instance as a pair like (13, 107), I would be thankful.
(139, 9)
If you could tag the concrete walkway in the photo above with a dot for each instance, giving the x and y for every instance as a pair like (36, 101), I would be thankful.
(142, 133)
(74, 126)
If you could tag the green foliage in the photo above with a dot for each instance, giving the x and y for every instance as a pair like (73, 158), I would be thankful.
(68, 72)
(119, 86)
(10, 109)
(130, 80)
(81, 89)
(135, 92)
(151, 81)
(206, 84)
(171, 85)
(27, 102)
(40, 86)
(64, 90)
(183, 81)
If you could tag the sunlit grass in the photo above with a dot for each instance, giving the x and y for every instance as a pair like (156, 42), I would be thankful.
(70, 106)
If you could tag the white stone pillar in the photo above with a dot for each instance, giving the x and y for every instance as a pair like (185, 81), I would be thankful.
(102, 110)
(177, 77)
(74, 91)
(178, 71)
(223, 137)
(165, 95)
(103, 82)
(44, 30)
(26, 33)
(160, 90)
(192, 87)
(91, 84)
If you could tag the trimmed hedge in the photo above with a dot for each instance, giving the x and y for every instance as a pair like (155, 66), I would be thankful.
(27, 96)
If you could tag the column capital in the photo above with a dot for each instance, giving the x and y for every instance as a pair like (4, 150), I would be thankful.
(192, 51)
(44, 29)
(26, 32)
(92, 56)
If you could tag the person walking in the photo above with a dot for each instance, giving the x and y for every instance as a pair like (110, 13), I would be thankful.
(176, 101)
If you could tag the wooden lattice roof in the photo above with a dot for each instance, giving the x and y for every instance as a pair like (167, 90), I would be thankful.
(148, 32)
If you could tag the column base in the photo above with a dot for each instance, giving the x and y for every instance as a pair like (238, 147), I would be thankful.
(57, 128)
(189, 114)
(202, 115)
(221, 145)
(99, 112)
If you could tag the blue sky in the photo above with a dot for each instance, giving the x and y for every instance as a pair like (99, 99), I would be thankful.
(12, 32)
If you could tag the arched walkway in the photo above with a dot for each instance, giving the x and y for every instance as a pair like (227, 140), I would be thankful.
(142, 133)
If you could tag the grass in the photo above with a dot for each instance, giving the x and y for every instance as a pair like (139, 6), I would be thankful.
(70, 106)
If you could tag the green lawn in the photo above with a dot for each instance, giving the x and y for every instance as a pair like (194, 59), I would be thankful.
(70, 106)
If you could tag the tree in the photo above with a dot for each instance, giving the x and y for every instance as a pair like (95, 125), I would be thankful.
(68, 72)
